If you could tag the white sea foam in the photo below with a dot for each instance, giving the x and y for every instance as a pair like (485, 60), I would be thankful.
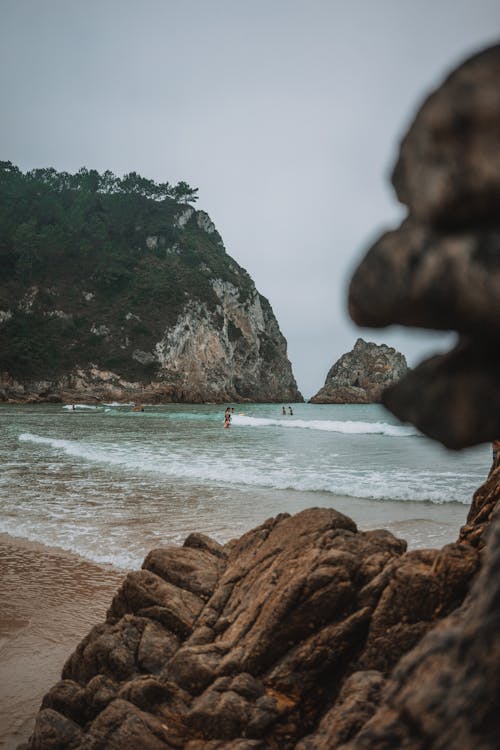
(174, 463)
(119, 403)
(326, 425)
(75, 407)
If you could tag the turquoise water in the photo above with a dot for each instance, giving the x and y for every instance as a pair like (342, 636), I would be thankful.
(110, 484)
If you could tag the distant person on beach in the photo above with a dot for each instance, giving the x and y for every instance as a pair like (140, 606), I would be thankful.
(290, 411)
(283, 411)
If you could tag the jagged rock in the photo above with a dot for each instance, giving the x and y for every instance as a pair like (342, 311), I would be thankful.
(248, 645)
(357, 702)
(441, 268)
(444, 693)
(361, 375)
(481, 512)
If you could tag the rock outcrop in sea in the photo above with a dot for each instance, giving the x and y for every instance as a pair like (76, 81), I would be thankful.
(126, 297)
(306, 633)
(361, 375)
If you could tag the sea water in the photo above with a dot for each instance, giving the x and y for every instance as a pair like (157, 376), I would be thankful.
(110, 484)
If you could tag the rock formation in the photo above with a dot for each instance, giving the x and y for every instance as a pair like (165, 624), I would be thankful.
(287, 632)
(306, 633)
(361, 375)
(441, 268)
(136, 300)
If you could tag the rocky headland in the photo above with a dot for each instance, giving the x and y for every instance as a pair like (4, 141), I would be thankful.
(117, 290)
(361, 375)
(307, 633)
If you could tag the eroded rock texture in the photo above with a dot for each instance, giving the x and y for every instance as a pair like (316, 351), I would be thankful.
(361, 375)
(281, 639)
(446, 692)
(441, 268)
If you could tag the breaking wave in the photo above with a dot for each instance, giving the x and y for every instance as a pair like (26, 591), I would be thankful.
(205, 466)
(325, 425)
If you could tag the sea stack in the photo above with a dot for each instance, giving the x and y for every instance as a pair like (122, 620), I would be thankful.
(361, 375)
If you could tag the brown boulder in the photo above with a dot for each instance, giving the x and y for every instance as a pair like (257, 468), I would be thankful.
(299, 604)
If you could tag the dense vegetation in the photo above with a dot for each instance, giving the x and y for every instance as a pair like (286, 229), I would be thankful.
(87, 249)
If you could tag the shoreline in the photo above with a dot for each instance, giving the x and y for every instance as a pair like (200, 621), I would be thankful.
(52, 597)
(50, 600)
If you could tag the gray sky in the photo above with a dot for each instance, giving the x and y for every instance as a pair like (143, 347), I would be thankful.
(285, 113)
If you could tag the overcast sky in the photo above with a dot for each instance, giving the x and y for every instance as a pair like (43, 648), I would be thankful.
(286, 114)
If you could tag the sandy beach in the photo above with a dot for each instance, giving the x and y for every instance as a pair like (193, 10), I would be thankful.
(50, 599)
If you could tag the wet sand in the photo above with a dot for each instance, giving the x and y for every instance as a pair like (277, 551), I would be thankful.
(49, 601)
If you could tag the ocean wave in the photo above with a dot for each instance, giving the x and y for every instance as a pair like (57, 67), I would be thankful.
(119, 403)
(79, 407)
(234, 470)
(326, 425)
(58, 538)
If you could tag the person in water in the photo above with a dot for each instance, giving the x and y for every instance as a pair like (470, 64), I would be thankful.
(227, 418)
(290, 411)
(283, 411)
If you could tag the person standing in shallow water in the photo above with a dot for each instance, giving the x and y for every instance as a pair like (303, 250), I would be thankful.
(283, 411)
(290, 411)
(227, 418)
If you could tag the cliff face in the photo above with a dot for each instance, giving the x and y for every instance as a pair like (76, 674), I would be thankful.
(149, 307)
(361, 375)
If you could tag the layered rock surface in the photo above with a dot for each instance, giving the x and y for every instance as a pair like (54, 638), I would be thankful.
(281, 639)
(361, 375)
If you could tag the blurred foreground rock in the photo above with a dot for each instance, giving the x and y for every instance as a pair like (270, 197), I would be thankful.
(441, 268)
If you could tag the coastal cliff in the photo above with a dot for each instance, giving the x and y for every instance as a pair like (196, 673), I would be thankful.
(306, 633)
(361, 375)
(118, 290)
